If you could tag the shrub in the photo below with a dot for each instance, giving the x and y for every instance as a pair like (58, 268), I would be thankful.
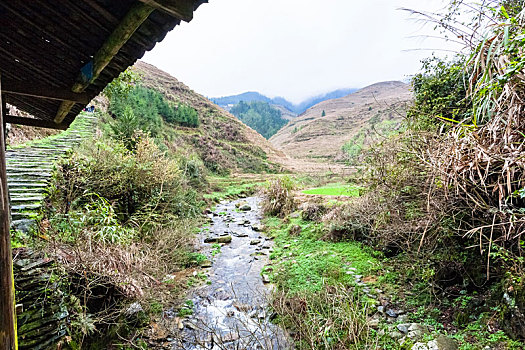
(440, 92)
(313, 211)
(141, 184)
(278, 198)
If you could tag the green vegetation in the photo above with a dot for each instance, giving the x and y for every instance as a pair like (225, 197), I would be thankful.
(318, 298)
(146, 109)
(377, 130)
(336, 189)
(303, 261)
(260, 116)
(440, 92)
(227, 188)
(442, 205)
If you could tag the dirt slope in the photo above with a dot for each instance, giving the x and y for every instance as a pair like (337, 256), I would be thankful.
(316, 137)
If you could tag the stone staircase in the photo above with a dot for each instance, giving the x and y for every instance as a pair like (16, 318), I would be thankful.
(30, 167)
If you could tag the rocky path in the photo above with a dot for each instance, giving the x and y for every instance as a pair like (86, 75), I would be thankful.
(229, 312)
(29, 169)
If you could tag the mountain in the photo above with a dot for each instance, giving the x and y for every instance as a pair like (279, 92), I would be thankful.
(234, 99)
(303, 106)
(224, 143)
(227, 102)
(322, 130)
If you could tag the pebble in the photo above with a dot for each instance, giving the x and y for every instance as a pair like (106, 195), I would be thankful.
(403, 328)
(391, 313)
(255, 241)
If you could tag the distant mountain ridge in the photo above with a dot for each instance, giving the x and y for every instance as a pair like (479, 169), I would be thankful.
(227, 102)
(323, 129)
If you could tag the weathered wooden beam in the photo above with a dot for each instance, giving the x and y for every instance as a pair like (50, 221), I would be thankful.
(182, 9)
(8, 339)
(30, 89)
(39, 123)
(125, 29)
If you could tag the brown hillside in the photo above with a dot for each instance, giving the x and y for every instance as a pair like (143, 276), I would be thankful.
(311, 136)
(221, 138)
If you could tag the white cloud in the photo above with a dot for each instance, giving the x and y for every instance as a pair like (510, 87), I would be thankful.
(295, 48)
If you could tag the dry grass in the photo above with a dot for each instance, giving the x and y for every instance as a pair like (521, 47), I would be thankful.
(278, 197)
(333, 318)
(483, 160)
(137, 270)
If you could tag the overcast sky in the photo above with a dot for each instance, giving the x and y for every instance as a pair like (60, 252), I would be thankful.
(295, 48)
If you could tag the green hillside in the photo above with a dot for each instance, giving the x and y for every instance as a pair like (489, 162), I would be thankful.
(260, 116)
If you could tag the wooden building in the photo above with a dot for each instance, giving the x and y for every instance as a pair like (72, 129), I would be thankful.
(55, 56)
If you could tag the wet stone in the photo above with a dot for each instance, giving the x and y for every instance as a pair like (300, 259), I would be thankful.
(245, 207)
(391, 313)
(220, 239)
(240, 234)
(255, 241)
(206, 264)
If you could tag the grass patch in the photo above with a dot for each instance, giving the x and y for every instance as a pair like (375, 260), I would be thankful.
(231, 189)
(304, 262)
(317, 296)
(337, 189)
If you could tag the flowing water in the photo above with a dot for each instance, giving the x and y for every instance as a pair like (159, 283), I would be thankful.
(230, 312)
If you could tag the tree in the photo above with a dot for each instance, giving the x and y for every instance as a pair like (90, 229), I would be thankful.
(323, 114)
(260, 116)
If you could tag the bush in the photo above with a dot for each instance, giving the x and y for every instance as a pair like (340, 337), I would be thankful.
(440, 94)
(313, 211)
(278, 198)
(138, 185)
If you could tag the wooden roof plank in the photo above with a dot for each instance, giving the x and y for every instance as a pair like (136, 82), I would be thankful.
(39, 123)
(182, 9)
(129, 24)
(34, 90)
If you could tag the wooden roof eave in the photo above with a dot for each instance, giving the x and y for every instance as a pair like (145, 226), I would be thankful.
(182, 9)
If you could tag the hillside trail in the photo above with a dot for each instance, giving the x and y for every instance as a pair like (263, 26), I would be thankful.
(30, 167)
(230, 312)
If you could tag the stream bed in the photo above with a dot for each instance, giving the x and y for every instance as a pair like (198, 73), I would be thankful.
(230, 311)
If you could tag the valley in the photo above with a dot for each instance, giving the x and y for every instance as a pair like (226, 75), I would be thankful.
(386, 217)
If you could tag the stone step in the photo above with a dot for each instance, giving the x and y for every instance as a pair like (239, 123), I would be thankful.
(31, 206)
(23, 224)
(15, 215)
(39, 162)
(12, 168)
(28, 158)
(27, 175)
(29, 184)
(27, 198)
(18, 192)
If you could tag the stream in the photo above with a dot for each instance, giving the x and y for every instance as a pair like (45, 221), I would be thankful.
(230, 311)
